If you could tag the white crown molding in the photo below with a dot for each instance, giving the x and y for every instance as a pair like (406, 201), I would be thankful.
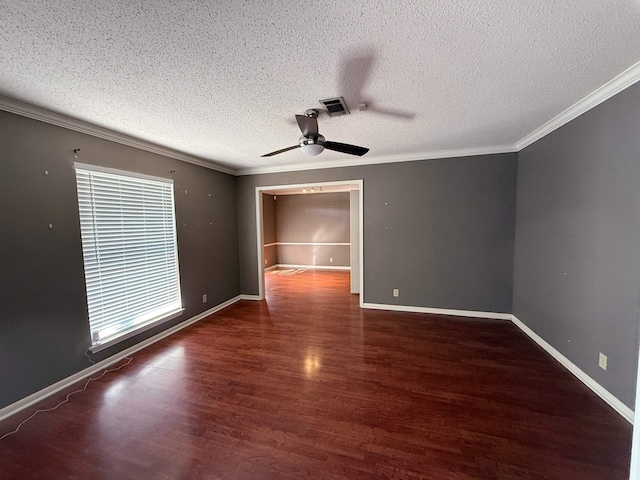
(598, 389)
(358, 161)
(627, 78)
(438, 311)
(603, 93)
(18, 107)
(24, 109)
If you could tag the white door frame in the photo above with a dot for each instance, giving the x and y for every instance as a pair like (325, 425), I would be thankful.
(260, 223)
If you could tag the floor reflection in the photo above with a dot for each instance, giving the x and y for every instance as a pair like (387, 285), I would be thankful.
(153, 403)
(312, 362)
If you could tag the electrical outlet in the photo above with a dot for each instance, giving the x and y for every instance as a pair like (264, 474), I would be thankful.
(602, 361)
(265, 262)
(204, 298)
(330, 259)
(396, 292)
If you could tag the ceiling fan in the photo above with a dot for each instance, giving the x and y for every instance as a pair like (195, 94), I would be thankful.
(312, 143)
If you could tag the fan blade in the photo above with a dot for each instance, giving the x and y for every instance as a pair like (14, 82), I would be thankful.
(308, 125)
(346, 148)
(280, 151)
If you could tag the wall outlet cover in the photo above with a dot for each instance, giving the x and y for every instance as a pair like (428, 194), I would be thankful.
(602, 361)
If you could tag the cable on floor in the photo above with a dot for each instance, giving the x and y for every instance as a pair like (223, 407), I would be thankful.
(91, 379)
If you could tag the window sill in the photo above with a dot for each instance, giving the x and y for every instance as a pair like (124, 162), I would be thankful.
(154, 322)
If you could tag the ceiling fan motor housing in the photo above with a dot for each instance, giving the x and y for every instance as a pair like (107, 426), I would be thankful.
(312, 145)
(311, 140)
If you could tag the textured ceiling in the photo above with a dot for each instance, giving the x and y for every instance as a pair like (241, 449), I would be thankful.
(222, 80)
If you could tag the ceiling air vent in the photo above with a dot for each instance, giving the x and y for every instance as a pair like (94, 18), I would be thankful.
(335, 106)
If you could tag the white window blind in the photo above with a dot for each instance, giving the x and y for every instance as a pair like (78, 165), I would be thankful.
(130, 254)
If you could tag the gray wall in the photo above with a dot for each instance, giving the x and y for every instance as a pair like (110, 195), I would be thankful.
(313, 218)
(577, 255)
(442, 231)
(43, 327)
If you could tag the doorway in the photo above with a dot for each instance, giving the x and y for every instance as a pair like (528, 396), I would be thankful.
(355, 187)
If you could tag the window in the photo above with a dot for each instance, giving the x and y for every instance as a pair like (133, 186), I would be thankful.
(130, 254)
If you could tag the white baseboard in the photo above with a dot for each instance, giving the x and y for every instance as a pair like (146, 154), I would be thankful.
(598, 389)
(312, 244)
(250, 297)
(106, 363)
(311, 267)
(438, 311)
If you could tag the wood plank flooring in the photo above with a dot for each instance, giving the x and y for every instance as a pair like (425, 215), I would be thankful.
(308, 385)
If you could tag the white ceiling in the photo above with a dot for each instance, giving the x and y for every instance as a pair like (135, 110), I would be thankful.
(222, 80)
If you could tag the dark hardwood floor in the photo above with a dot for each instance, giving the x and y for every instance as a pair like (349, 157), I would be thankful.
(307, 385)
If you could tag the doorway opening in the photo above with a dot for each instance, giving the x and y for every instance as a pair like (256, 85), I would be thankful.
(318, 250)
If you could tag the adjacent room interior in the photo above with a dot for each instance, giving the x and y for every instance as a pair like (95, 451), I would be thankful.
(463, 278)
(313, 226)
